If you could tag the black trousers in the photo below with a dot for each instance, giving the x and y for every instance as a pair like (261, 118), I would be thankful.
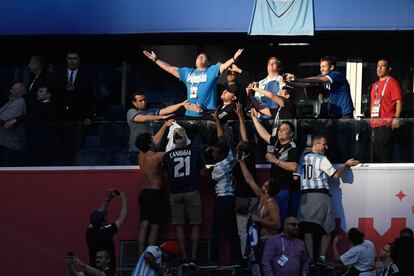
(224, 221)
(382, 139)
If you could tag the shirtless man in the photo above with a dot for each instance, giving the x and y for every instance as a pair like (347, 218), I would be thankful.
(267, 216)
(151, 198)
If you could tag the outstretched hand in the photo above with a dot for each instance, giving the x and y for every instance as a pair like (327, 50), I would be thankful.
(169, 122)
(152, 56)
(352, 162)
(238, 54)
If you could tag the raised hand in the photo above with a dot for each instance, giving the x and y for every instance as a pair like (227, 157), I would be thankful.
(352, 162)
(152, 56)
(238, 54)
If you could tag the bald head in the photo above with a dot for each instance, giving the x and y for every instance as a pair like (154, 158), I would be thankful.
(291, 220)
(291, 227)
(17, 90)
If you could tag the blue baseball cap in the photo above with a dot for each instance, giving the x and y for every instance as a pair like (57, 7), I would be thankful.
(97, 217)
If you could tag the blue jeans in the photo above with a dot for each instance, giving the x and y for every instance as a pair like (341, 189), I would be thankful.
(287, 207)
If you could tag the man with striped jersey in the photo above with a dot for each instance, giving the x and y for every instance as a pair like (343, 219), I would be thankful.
(315, 211)
(155, 259)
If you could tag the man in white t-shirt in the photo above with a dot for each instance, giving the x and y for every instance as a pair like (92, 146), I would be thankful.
(154, 259)
(360, 257)
(273, 83)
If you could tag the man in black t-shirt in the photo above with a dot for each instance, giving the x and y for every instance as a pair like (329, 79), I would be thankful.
(283, 156)
(99, 234)
(183, 165)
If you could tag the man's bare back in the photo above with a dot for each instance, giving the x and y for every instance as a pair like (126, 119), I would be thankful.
(150, 166)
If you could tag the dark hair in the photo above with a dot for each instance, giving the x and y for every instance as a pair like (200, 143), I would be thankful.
(136, 93)
(317, 138)
(387, 60)
(143, 142)
(244, 146)
(278, 62)
(330, 59)
(39, 60)
(407, 231)
(291, 126)
(355, 236)
(222, 148)
(291, 91)
(204, 53)
(273, 187)
(72, 51)
(106, 252)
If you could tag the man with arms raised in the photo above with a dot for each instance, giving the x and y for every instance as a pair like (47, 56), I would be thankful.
(151, 198)
(200, 81)
(267, 210)
(183, 165)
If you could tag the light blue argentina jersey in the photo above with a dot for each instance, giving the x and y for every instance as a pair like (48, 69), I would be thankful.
(314, 170)
(142, 268)
(201, 87)
(222, 173)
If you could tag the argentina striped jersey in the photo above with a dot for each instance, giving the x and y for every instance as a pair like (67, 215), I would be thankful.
(314, 170)
(142, 268)
(222, 173)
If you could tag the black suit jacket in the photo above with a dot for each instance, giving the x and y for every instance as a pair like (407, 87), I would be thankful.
(75, 105)
(31, 98)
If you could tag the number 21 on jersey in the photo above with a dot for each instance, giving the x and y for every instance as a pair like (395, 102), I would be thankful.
(182, 166)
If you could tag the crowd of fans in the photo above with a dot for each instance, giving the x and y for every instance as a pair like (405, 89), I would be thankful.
(30, 134)
(260, 222)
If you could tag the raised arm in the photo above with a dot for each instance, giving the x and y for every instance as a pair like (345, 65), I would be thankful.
(317, 79)
(242, 125)
(348, 164)
(173, 108)
(249, 178)
(259, 128)
(123, 214)
(228, 63)
(140, 118)
(160, 133)
(109, 196)
(88, 270)
(219, 127)
(165, 66)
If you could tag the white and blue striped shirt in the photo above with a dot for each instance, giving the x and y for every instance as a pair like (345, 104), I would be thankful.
(142, 268)
(222, 173)
(314, 170)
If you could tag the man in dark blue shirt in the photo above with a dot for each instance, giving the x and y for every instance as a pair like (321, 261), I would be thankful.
(183, 165)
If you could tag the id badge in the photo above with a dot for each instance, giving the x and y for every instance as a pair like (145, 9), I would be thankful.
(282, 260)
(375, 111)
(193, 92)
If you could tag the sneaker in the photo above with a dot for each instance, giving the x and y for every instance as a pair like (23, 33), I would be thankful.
(313, 263)
(231, 264)
(192, 264)
(185, 263)
(209, 264)
(323, 263)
